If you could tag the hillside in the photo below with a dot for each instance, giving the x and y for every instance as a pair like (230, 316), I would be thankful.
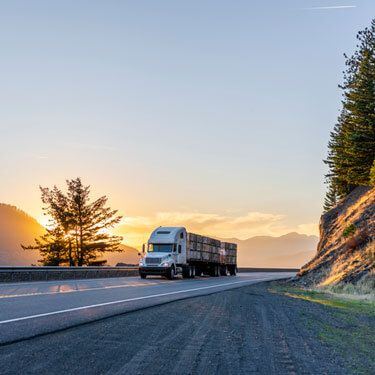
(290, 250)
(346, 251)
(16, 228)
(129, 255)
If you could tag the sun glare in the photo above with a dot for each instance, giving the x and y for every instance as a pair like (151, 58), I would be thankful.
(44, 220)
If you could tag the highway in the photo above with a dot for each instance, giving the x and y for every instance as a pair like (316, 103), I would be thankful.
(35, 308)
(250, 328)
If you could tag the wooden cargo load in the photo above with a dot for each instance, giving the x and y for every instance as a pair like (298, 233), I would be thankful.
(228, 253)
(206, 249)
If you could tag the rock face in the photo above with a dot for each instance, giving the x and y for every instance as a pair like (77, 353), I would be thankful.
(346, 250)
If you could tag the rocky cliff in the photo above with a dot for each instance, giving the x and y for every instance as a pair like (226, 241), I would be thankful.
(346, 250)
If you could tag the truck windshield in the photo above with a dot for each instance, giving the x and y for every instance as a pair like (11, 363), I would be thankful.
(160, 247)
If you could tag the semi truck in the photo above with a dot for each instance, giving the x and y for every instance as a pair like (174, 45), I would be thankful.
(172, 250)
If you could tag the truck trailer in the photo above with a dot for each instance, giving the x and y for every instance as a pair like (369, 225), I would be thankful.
(172, 250)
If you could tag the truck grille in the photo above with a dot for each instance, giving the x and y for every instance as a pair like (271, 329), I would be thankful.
(153, 260)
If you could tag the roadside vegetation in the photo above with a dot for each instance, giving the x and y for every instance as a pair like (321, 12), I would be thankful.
(364, 289)
(349, 325)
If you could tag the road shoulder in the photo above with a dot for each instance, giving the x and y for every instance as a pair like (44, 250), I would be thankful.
(251, 329)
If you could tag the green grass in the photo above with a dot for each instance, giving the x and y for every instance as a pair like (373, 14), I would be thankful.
(347, 327)
(327, 299)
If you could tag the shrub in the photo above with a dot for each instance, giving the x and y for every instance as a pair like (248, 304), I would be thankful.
(372, 174)
(349, 231)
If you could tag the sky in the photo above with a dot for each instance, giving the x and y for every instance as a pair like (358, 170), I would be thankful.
(213, 114)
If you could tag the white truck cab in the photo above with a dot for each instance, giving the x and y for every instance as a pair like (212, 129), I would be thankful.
(166, 252)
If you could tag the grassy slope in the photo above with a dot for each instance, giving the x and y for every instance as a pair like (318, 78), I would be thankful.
(351, 332)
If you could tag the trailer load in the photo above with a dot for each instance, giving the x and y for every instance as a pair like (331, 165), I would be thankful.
(172, 250)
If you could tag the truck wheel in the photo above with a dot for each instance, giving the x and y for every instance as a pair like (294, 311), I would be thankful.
(185, 272)
(143, 275)
(223, 271)
(192, 272)
(171, 274)
(215, 271)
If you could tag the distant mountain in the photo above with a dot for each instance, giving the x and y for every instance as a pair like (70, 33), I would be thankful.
(290, 250)
(17, 227)
(129, 255)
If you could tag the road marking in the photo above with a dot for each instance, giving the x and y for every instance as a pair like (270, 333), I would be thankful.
(125, 300)
(2, 296)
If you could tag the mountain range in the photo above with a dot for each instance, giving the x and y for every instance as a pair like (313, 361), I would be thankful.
(17, 227)
(290, 250)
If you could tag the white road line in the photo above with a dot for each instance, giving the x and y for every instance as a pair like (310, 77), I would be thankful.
(70, 281)
(2, 296)
(125, 300)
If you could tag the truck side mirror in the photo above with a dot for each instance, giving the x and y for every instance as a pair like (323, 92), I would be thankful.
(143, 248)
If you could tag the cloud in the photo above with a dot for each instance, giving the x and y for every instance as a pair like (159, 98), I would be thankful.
(136, 229)
(331, 7)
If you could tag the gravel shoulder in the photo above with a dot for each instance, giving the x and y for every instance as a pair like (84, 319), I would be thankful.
(260, 329)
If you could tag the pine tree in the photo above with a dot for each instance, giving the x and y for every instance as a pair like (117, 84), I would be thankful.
(331, 198)
(91, 220)
(78, 229)
(52, 247)
(351, 149)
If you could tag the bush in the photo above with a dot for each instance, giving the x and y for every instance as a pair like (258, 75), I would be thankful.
(372, 175)
(349, 230)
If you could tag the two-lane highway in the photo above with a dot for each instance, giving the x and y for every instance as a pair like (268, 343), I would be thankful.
(29, 309)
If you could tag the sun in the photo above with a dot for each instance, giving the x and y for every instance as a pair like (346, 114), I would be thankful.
(44, 220)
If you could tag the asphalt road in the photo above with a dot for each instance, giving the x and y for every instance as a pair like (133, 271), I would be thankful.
(246, 330)
(31, 309)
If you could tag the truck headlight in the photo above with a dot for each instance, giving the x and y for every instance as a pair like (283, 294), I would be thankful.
(165, 264)
(141, 263)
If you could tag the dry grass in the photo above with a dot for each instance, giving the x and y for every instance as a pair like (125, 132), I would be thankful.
(364, 289)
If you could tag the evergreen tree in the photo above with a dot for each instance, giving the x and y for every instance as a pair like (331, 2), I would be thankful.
(78, 230)
(52, 247)
(351, 149)
(331, 198)
(90, 223)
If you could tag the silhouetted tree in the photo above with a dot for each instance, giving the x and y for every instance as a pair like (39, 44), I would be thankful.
(78, 229)
(90, 223)
(51, 246)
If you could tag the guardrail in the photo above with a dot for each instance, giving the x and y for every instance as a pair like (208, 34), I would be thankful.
(17, 274)
(256, 269)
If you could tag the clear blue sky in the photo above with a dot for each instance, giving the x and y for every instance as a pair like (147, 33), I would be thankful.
(216, 108)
